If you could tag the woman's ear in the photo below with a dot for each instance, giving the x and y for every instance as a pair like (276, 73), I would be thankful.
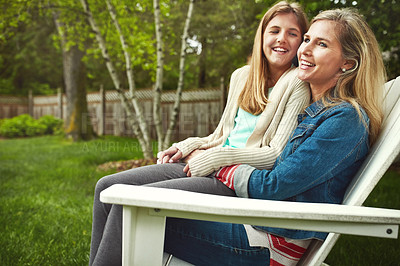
(349, 65)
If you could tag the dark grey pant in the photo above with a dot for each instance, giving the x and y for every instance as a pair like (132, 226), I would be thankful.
(106, 243)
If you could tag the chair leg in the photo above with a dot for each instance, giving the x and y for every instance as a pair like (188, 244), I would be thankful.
(145, 230)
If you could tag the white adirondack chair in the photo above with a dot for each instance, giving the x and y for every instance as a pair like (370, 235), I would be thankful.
(145, 209)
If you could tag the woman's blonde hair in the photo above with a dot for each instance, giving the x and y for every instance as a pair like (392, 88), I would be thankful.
(253, 97)
(363, 84)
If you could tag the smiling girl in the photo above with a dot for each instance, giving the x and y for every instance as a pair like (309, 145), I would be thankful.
(264, 100)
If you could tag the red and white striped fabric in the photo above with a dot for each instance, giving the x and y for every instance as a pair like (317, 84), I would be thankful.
(226, 174)
(285, 252)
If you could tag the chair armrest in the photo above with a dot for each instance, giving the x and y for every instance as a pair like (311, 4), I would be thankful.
(344, 219)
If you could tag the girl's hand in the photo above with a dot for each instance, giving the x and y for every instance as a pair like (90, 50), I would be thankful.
(193, 154)
(186, 169)
(171, 155)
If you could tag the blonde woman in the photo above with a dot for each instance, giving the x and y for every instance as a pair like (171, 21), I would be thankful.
(264, 101)
(341, 61)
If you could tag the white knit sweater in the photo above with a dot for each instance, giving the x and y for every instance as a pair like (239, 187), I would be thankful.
(288, 98)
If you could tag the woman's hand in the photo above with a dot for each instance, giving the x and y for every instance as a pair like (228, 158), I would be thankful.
(171, 155)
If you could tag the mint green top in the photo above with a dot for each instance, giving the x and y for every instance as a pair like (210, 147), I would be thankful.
(243, 128)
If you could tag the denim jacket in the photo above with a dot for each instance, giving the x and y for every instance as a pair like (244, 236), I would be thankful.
(321, 157)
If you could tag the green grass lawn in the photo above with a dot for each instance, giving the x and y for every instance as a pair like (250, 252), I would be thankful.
(46, 197)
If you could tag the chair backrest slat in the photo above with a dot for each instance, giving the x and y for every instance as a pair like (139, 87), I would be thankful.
(392, 95)
(382, 154)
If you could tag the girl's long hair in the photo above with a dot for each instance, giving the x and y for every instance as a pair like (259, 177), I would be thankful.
(253, 97)
(363, 84)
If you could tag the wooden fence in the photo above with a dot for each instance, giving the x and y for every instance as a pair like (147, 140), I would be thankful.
(11, 106)
(199, 115)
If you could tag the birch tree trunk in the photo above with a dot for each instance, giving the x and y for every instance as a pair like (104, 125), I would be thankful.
(129, 74)
(159, 77)
(178, 97)
(128, 106)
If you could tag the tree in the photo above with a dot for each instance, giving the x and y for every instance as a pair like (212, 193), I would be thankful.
(28, 58)
(225, 30)
(77, 122)
(164, 142)
(23, 14)
(131, 105)
(159, 75)
(383, 17)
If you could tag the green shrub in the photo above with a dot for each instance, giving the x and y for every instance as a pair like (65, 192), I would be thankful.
(53, 125)
(25, 126)
(34, 128)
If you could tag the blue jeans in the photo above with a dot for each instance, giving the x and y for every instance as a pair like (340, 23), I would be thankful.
(211, 243)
